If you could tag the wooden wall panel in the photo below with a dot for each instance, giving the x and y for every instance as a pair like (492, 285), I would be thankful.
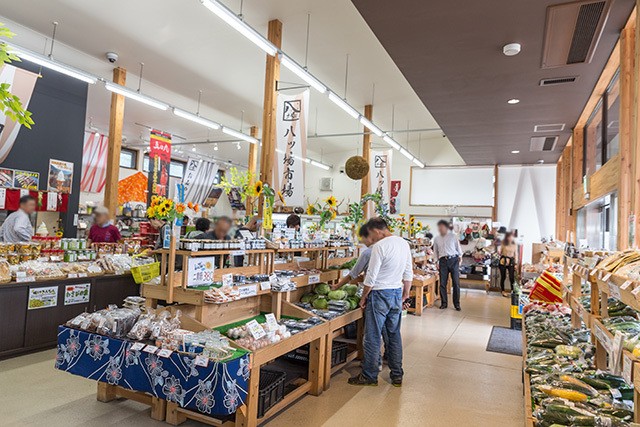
(627, 60)
(601, 183)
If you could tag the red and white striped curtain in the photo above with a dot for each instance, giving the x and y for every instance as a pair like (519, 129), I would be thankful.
(94, 162)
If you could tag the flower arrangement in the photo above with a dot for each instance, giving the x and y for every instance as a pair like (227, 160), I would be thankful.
(243, 181)
(327, 211)
(165, 209)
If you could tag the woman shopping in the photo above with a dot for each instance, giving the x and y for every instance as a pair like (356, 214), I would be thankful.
(508, 260)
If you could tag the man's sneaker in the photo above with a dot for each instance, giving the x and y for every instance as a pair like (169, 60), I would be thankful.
(396, 382)
(361, 380)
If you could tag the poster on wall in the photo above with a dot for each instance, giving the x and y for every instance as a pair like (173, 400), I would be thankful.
(77, 294)
(394, 198)
(60, 176)
(26, 180)
(22, 83)
(6, 178)
(380, 172)
(159, 160)
(42, 297)
(94, 162)
(291, 146)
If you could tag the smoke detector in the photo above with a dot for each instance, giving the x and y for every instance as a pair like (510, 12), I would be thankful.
(511, 49)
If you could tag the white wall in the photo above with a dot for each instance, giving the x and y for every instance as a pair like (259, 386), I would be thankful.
(527, 202)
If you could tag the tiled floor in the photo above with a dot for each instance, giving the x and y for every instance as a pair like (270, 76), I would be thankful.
(449, 380)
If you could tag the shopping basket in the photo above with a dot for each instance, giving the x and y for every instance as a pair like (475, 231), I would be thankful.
(145, 272)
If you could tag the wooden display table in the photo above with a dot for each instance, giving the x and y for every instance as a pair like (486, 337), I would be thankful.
(336, 330)
(107, 393)
(421, 287)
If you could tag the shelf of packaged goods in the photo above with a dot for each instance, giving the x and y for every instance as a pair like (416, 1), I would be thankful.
(229, 252)
(304, 280)
(583, 314)
(619, 287)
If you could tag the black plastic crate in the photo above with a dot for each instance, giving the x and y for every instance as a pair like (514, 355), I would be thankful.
(339, 351)
(271, 389)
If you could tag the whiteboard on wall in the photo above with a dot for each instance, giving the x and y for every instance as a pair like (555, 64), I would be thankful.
(452, 186)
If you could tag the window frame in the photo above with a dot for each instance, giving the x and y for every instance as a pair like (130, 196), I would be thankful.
(134, 155)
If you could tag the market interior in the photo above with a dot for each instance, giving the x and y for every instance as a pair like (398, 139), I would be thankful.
(219, 212)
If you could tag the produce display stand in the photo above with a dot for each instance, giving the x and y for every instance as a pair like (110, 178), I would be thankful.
(107, 393)
(331, 258)
(526, 381)
(419, 289)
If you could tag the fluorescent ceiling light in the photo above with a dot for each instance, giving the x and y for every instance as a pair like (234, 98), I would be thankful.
(513, 101)
(239, 135)
(320, 165)
(132, 94)
(391, 142)
(49, 63)
(232, 19)
(373, 128)
(196, 118)
(344, 105)
(302, 73)
(515, 151)
(405, 153)
(418, 162)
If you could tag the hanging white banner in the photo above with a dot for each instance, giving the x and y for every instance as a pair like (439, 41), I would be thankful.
(198, 180)
(380, 172)
(291, 146)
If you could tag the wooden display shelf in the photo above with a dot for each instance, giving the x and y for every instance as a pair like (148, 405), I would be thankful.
(619, 287)
(419, 288)
(582, 313)
(336, 327)
(107, 393)
(526, 380)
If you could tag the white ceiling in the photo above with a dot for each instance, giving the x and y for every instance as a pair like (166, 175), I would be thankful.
(185, 48)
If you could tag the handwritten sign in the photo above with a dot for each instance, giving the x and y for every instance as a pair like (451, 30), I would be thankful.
(248, 291)
(165, 352)
(137, 346)
(255, 329)
(314, 278)
(42, 297)
(603, 337)
(200, 271)
(151, 349)
(614, 291)
(202, 361)
(77, 294)
(227, 279)
(265, 286)
(272, 323)
(627, 368)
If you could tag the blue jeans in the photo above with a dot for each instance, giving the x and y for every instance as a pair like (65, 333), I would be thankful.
(382, 315)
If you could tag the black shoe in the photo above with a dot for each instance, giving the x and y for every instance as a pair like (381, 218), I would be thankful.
(361, 380)
(458, 308)
(396, 382)
(442, 307)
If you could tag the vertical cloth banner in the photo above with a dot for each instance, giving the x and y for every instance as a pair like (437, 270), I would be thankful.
(21, 84)
(394, 199)
(291, 146)
(159, 159)
(94, 162)
(380, 172)
(198, 180)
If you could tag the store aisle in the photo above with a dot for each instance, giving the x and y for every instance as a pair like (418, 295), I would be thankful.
(449, 380)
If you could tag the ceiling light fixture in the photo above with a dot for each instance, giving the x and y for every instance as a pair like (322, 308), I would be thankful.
(215, 147)
(299, 71)
(196, 118)
(193, 149)
(49, 63)
(515, 151)
(513, 101)
(232, 19)
(418, 162)
(238, 146)
(136, 96)
(511, 49)
(391, 142)
(405, 153)
(320, 165)
(373, 128)
(344, 105)
(239, 135)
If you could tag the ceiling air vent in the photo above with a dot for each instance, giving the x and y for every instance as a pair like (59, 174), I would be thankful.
(558, 81)
(543, 143)
(572, 32)
(559, 127)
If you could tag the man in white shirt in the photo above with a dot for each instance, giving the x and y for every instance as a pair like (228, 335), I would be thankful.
(448, 254)
(17, 227)
(386, 287)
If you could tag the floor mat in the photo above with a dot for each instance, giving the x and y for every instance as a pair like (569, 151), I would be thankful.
(505, 340)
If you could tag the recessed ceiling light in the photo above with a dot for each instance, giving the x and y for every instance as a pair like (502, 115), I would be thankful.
(513, 101)
(540, 161)
(515, 151)
(215, 147)
(193, 149)
(511, 49)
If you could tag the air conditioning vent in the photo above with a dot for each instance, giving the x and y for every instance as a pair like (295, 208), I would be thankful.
(558, 81)
(559, 127)
(543, 143)
(326, 184)
(572, 32)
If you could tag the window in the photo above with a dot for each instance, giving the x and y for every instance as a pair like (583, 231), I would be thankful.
(145, 163)
(128, 158)
(613, 119)
(176, 167)
(593, 142)
(597, 224)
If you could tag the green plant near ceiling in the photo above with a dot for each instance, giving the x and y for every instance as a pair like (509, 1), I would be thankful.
(10, 104)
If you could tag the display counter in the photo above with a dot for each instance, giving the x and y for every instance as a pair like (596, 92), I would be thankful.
(32, 311)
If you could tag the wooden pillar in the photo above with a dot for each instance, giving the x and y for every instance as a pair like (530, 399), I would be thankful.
(494, 210)
(560, 213)
(366, 150)
(569, 215)
(635, 128)
(272, 75)
(116, 120)
(252, 165)
(627, 53)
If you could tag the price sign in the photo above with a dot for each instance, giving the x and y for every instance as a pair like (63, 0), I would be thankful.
(73, 275)
(24, 192)
(314, 278)
(202, 361)
(606, 277)
(593, 272)
(616, 353)
(227, 279)
(255, 330)
(272, 323)
(82, 274)
(3, 198)
(200, 271)
(627, 368)
(603, 337)
(165, 352)
(265, 286)
(240, 252)
(52, 201)
(246, 234)
(137, 346)
(614, 291)
(636, 291)
(248, 291)
(151, 349)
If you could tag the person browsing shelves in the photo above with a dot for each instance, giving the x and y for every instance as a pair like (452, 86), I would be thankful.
(103, 231)
(448, 254)
(17, 227)
(363, 259)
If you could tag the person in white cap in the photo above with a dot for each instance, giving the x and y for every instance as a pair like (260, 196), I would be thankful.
(103, 231)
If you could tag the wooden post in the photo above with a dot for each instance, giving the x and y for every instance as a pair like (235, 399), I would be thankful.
(272, 75)
(366, 150)
(560, 214)
(116, 120)
(252, 166)
(635, 127)
(627, 51)
(494, 210)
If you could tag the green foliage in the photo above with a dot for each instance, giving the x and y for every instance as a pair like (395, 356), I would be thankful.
(240, 180)
(10, 104)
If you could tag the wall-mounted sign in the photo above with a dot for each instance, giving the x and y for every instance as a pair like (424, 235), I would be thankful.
(77, 294)
(60, 176)
(43, 297)
(26, 180)
(6, 178)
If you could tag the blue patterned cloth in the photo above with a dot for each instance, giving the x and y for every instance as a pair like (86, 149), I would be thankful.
(217, 390)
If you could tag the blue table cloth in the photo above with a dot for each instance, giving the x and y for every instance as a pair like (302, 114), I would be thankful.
(217, 390)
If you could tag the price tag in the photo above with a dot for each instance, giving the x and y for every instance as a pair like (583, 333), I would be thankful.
(21, 277)
(615, 393)
(273, 279)
(314, 278)
(240, 252)
(3, 198)
(606, 277)
(636, 291)
(248, 291)
(272, 323)
(165, 352)
(227, 279)
(603, 338)
(265, 286)
(255, 330)
(137, 346)
(579, 308)
(52, 201)
(344, 272)
(82, 275)
(627, 368)
(202, 361)
(73, 275)
(614, 291)
(151, 349)
(626, 285)
(24, 192)
(593, 272)
(616, 353)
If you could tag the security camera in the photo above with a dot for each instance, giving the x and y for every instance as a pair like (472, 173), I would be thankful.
(112, 57)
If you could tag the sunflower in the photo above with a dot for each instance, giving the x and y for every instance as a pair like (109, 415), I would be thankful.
(311, 210)
(331, 202)
(419, 225)
(180, 207)
(154, 200)
(334, 214)
(257, 188)
(412, 220)
(281, 198)
(151, 211)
